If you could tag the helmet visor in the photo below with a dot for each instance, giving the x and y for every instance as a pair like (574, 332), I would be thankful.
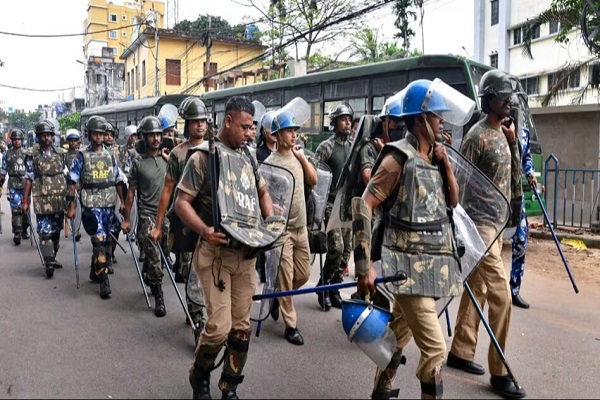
(448, 103)
(168, 111)
(259, 111)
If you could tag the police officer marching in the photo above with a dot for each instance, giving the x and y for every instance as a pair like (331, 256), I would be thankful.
(146, 177)
(196, 117)
(409, 178)
(334, 152)
(224, 262)
(13, 165)
(46, 169)
(97, 170)
(295, 258)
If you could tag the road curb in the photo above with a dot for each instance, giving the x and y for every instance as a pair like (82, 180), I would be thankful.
(590, 241)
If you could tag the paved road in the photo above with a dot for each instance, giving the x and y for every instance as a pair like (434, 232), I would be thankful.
(57, 341)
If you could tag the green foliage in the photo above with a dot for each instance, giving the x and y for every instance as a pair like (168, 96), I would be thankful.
(367, 46)
(24, 121)
(220, 27)
(404, 17)
(72, 121)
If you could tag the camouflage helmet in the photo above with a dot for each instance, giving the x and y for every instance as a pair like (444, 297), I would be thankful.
(150, 124)
(193, 108)
(44, 126)
(114, 131)
(339, 110)
(497, 83)
(95, 124)
(17, 134)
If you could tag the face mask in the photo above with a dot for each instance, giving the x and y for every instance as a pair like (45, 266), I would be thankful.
(397, 134)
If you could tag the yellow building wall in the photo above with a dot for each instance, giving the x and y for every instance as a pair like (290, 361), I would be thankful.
(192, 57)
(98, 20)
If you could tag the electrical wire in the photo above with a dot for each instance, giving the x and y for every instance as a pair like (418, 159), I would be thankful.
(39, 90)
(65, 34)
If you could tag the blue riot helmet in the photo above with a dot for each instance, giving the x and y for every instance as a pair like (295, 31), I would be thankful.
(73, 134)
(424, 96)
(167, 123)
(393, 106)
(366, 325)
(292, 115)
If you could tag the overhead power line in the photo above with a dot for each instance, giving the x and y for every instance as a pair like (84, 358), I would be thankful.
(66, 34)
(345, 18)
(39, 90)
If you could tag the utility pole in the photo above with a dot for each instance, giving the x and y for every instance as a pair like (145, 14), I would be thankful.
(156, 87)
(208, 43)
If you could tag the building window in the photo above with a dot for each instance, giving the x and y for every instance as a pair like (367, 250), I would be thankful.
(112, 17)
(494, 61)
(495, 12)
(554, 26)
(112, 34)
(115, 51)
(124, 33)
(132, 81)
(535, 32)
(127, 85)
(143, 73)
(574, 79)
(124, 17)
(137, 81)
(517, 36)
(531, 85)
(571, 82)
(173, 72)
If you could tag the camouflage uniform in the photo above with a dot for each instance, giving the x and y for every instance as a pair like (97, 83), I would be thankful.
(147, 178)
(228, 310)
(418, 241)
(47, 171)
(175, 167)
(122, 158)
(13, 165)
(488, 149)
(334, 152)
(99, 174)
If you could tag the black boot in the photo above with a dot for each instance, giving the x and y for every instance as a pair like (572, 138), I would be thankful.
(17, 239)
(229, 395)
(336, 299)
(49, 265)
(159, 305)
(518, 301)
(93, 277)
(105, 291)
(200, 382)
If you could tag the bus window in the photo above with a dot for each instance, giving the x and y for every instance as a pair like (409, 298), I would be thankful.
(272, 98)
(378, 103)
(345, 89)
(389, 84)
(309, 94)
(313, 124)
(220, 116)
(359, 106)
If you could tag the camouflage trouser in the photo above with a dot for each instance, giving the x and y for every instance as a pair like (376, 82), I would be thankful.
(519, 248)
(194, 293)
(19, 221)
(339, 246)
(152, 259)
(48, 229)
(104, 218)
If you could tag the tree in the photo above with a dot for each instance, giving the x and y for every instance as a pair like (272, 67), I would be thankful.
(219, 27)
(24, 121)
(72, 121)
(568, 13)
(404, 17)
(367, 46)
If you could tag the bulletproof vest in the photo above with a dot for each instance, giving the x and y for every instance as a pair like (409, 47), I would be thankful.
(50, 184)
(417, 228)
(118, 155)
(336, 163)
(15, 166)
(98, 179)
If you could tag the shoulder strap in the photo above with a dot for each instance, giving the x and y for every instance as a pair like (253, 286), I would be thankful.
(254, 166)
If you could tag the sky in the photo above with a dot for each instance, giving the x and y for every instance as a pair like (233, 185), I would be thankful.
(52, 63)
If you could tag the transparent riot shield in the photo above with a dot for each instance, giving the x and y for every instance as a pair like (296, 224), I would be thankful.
(280, 185)
(319, 195)
(169, 111)
(479, 219)
(77, 219)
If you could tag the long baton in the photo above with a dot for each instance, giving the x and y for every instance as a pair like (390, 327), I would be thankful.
(537, 196)
(168, 268)
(75, 254)
(137, 268)
(117, 242)
(37, 245)
(448, 324)
(492, 336)
(401, 276)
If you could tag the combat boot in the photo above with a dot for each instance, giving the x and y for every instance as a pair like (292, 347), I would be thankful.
(159, 301)
(105, 291)
(49, 265)
(200, 382)
(384, 379)
(25, 235)
(323, 297)
(335, 299)
(229, 395)
(17, 239)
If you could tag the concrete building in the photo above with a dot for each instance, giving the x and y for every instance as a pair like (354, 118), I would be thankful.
(179, 62)
(108, 24)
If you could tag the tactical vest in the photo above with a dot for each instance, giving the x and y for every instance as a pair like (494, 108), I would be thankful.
(98, 179)
(336, 163)
(418, 237)
(15, 166)
(50, 184)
